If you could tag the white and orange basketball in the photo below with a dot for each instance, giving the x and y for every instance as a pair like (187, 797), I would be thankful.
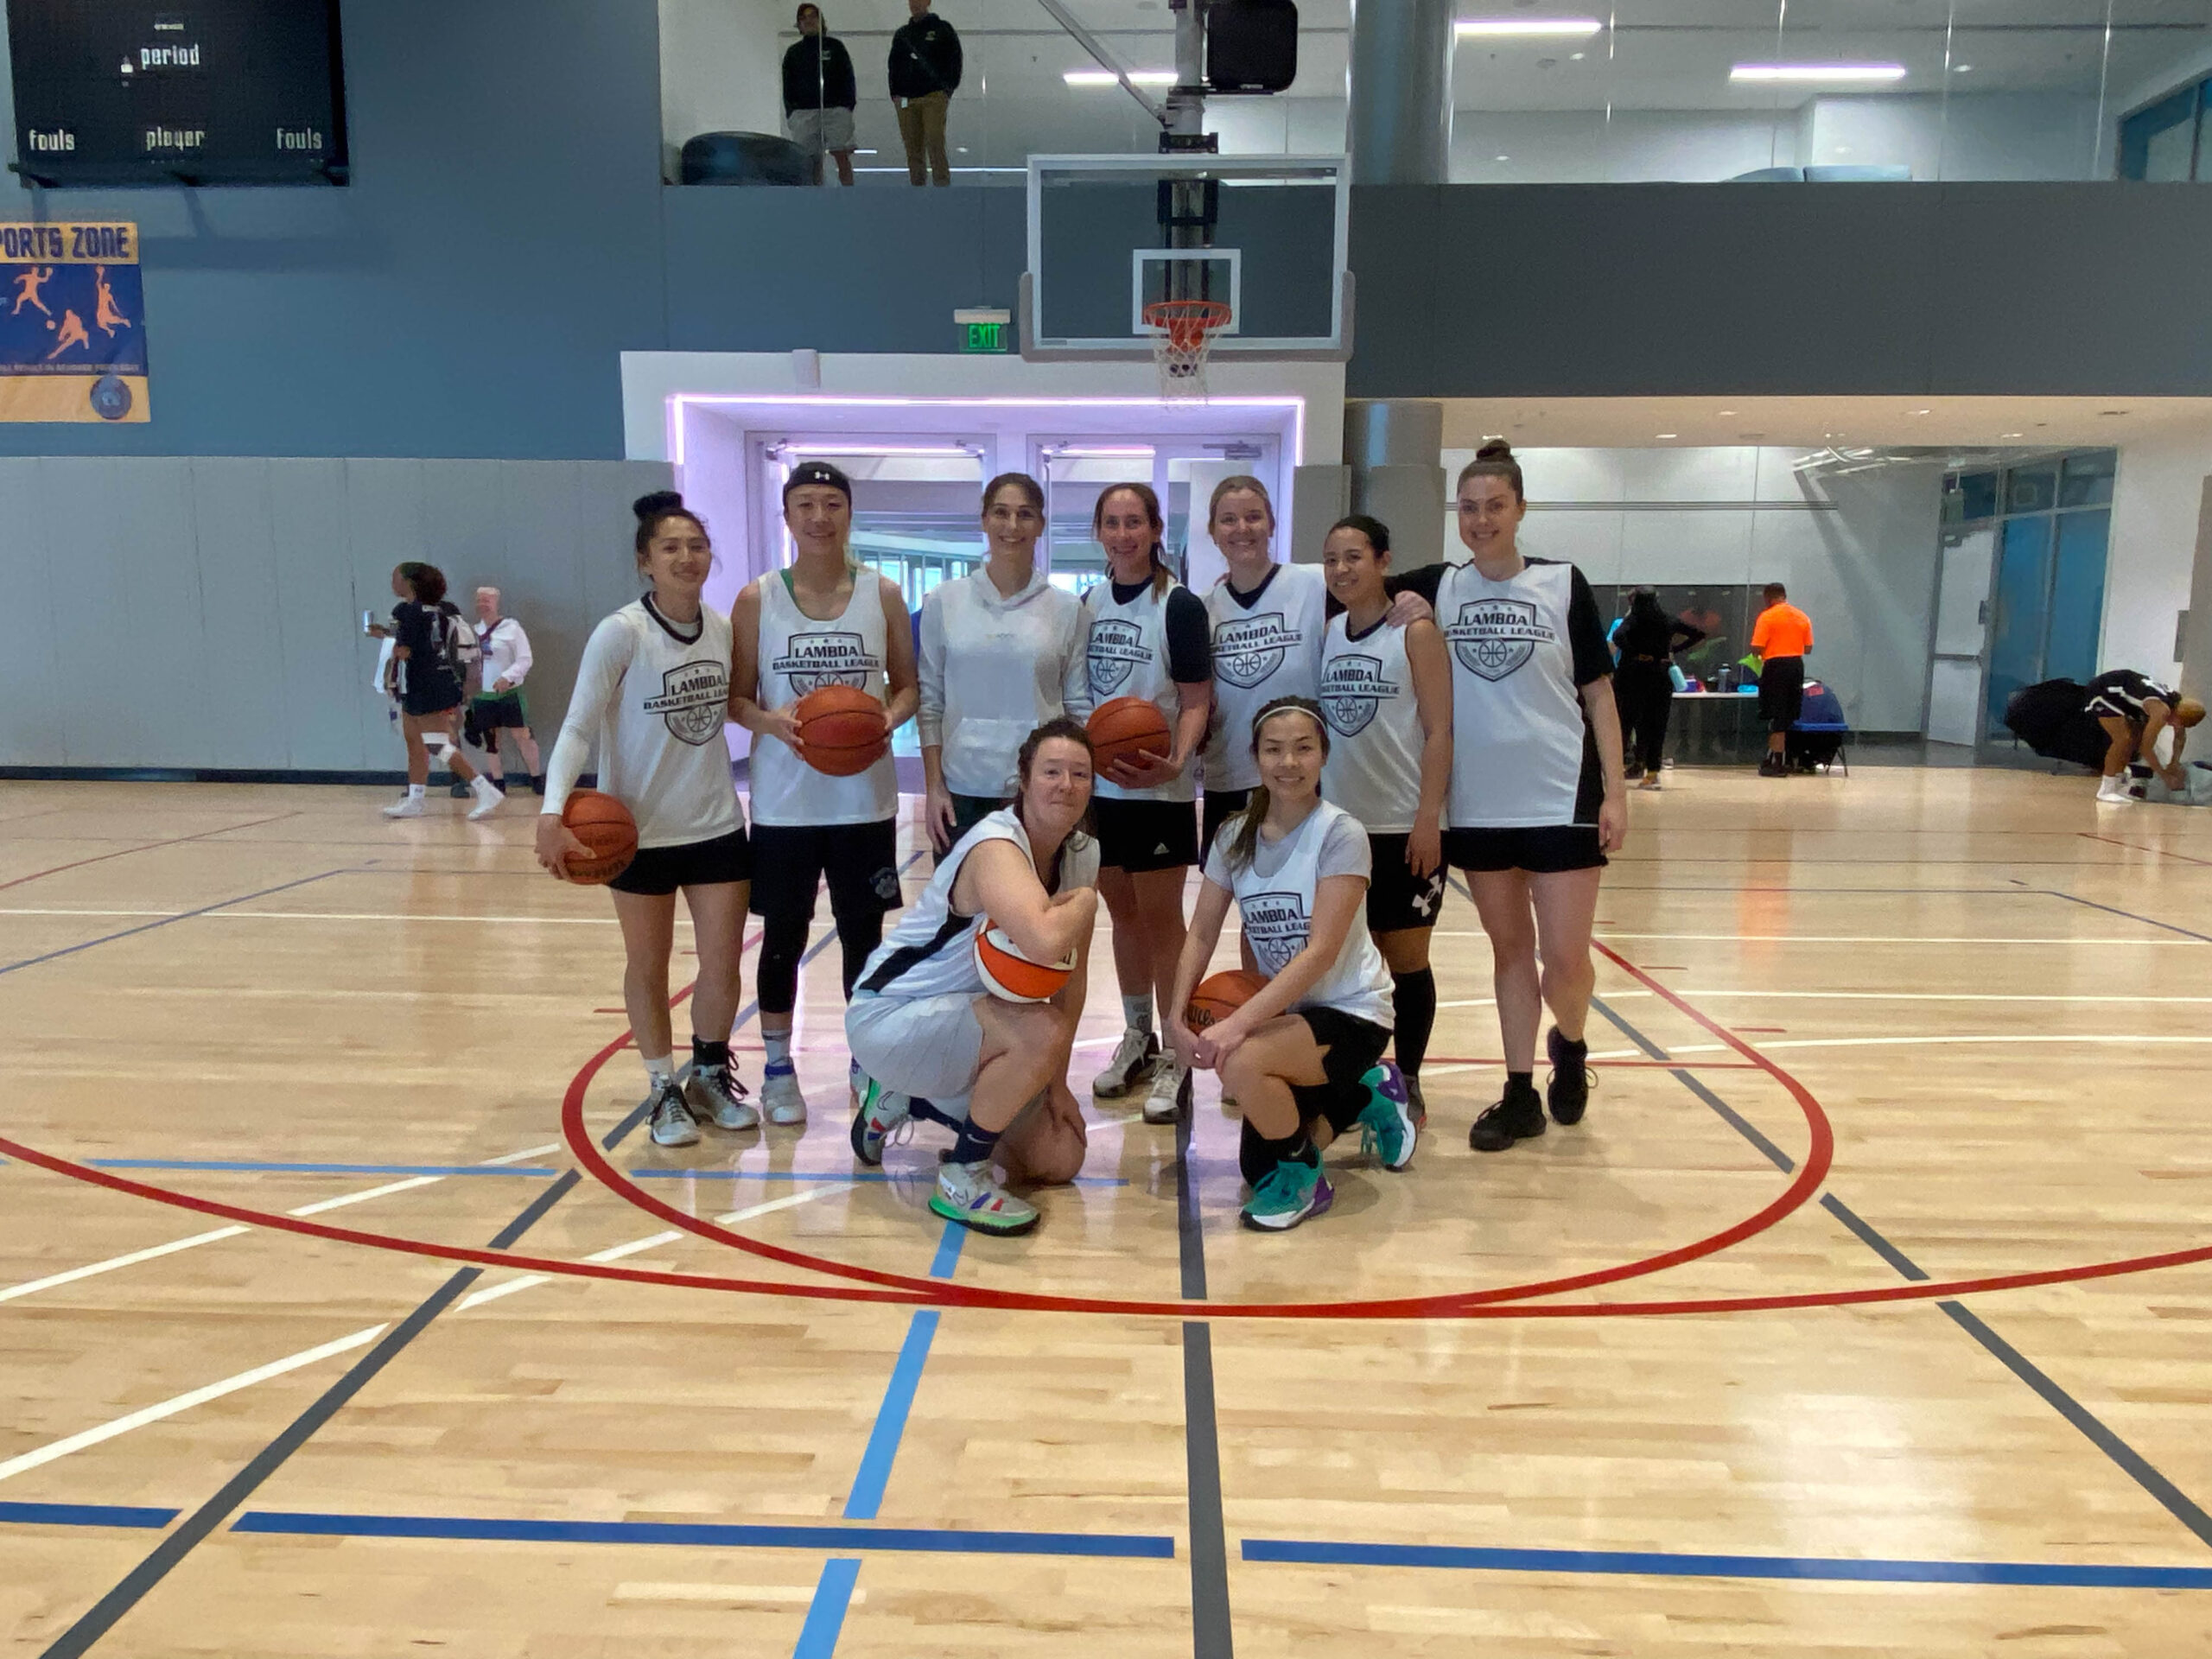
(1007, 973)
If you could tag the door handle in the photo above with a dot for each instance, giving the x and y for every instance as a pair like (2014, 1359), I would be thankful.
(1981, 614)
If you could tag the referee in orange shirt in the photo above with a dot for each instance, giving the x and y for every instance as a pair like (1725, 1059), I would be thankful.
(1780, 640)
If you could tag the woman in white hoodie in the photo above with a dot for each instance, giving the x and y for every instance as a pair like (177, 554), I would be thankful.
(1002, 651)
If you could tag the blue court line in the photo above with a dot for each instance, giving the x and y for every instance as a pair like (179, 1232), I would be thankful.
(928, 1541)
(1668, 1565)
(170, 921)
(86, 1515)
(825, 1615)
(874, 1474)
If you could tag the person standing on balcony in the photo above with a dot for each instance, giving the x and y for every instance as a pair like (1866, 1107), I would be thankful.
(925, 74)
(819, 93)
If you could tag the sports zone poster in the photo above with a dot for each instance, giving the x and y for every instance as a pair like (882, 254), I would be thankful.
(73, 323)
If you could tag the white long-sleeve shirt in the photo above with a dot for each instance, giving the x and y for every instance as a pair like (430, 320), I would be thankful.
(506, 650)
(653, 698)
(993, 670)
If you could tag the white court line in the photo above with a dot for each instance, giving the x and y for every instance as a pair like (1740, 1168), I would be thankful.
(53, 1282)
(1928, 996)
(1887, 1042)
(638, 1246)
(1835, 938)
(154, 1414)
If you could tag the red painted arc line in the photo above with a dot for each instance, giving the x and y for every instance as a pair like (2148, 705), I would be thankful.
(2139, 848)
(125, 852)
(1807, 1179)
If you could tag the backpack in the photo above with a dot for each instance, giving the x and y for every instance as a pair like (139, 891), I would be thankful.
(456, 642)
(2037, 714)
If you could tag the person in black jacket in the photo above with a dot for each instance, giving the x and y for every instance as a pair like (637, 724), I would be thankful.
(819, 93)
(1647, 640)
(925, 74)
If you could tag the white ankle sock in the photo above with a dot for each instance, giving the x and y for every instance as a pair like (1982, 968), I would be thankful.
(1136, 1011)
(415, 792)
(661, 1070)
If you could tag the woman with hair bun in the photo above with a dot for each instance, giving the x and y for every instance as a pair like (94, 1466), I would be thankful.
(826, 620)
(1537, 798)
(1002, 653)
(1148, 639)
(426, 631)
(653, 695)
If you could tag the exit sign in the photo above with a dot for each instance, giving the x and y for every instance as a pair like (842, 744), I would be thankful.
(985, 329)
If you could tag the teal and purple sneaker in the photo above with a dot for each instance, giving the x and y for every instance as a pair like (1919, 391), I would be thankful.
(1386, 1128)
(1290, 1192)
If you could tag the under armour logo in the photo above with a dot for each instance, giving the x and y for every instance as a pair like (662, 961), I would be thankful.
(1423, 903)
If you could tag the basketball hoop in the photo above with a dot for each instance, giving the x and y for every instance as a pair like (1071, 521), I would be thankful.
(1182, 339)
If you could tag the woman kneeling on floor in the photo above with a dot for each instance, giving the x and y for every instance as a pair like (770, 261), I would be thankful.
(1303, 1058)
(932, 1041)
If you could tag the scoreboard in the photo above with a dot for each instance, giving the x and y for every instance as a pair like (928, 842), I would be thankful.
(204, 92)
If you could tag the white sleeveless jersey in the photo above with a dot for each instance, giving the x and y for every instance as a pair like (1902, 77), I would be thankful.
(1267, 650)
(796, 655)
(1129, 658)
(654, 705)
(1373, 771)
(1277, 912)
(931, 952)
(1521, 756)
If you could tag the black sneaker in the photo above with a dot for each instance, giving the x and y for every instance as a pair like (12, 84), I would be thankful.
(1516, 1117)
(1567, 1094)
(1632, 771)
(459, 790)
(1774, 766)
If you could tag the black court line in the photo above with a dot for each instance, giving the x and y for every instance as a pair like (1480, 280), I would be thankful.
(2114, 909)
(1211, 1635)
(141, 1581)
(2138, 1468)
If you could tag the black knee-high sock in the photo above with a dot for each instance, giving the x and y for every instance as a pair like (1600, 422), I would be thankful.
(775, 979)
(857, 938)
(1414, 996)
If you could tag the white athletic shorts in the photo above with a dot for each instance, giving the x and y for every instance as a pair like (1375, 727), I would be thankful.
(816, 131)
(927, 1046)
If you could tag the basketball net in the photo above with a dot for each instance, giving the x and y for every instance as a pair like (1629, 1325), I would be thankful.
(1182, 343)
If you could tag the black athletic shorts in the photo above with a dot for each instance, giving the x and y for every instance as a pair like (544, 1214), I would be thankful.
(1396, 898)
(1545, 849)
(1218, 806)
(968, 812)
(491, 714)
(695, 864)
(1350, 1048)
(1140, 836)
(859, 860)
(438, 696)
(1782, 692)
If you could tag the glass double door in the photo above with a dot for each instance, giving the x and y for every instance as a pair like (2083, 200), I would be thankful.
(2046, 603)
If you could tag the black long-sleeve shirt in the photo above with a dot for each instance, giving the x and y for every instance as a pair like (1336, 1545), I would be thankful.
(818, 75)
(924, 57)
(1654, 638)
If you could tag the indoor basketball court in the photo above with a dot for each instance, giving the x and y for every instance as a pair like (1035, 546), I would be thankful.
(350, 1305)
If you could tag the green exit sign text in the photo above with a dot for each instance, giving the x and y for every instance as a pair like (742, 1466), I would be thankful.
(984, 330)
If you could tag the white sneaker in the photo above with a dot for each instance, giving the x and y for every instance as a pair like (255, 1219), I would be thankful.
(488, 797)
(2114, 788)
(714, 1093)
(779, 1093)
(1135, 1057)
(1170, 1097)
(672, 1124)
(407, 806)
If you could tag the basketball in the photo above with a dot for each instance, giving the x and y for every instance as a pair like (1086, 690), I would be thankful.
(843, 730)
(1221, 994)
(1126, 728)
(605, 826)
(1009, 974)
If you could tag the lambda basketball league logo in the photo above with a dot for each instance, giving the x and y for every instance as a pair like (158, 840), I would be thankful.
(1247, 649)
(1352, 688)
(1116, 648)
(693, 701)
(811, 661)
(1495, 637)
(1276, 925)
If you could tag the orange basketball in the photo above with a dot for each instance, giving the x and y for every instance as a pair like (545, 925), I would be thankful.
(843, 729)
(1006, 972)
(1126, 728)
(605, 826)
(1220, 995)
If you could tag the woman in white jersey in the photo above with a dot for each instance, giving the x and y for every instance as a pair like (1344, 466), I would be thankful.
(1002, 651)
(1148, 638)
(652, 694)
(1386, 692)
(1265, 622)
(932, 1042)
(824, 620)
(1537, 798)
(1304, 1056)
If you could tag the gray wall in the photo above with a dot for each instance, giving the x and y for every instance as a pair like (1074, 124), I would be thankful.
(1661, 290)
(220, 628)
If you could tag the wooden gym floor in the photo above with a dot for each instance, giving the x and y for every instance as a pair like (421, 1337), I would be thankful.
(1889, 1065)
